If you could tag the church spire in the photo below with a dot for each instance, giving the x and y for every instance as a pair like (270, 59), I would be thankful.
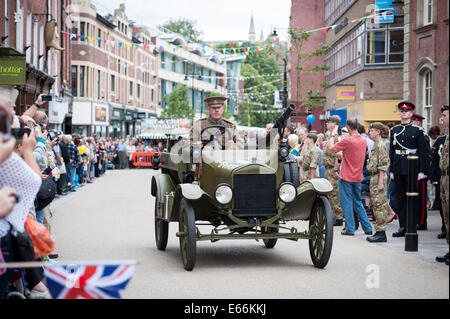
(251, 33)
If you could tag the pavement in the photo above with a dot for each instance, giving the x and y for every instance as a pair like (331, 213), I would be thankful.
(112, 219)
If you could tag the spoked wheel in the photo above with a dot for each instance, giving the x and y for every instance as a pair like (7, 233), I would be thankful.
(188, 236)
(161, 230)
(270, 243)
(321, 232)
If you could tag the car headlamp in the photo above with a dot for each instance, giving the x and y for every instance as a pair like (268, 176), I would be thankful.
(223, 194)
(287, 193)
(284, 152)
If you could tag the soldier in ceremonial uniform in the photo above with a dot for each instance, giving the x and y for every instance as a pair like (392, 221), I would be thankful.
(422, 189)
(406, 139)
(444, 165)
(311, 157)
(331, 163)
(377, 166)
(229, 135)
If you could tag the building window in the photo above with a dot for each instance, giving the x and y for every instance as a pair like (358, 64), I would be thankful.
(427, 12)
(113, 83)
(99, 37)
(334, 9)
(138, 91)
(131, 89)
(427, 98)
(74, 80)
(82, 80)
(98, 84)
(6, 42)
(82, 29)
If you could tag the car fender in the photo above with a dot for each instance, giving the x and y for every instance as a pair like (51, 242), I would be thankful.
(161, 184)
(307, 193)
(191, 192)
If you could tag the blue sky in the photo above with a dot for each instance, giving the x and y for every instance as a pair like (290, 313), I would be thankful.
(219, 20)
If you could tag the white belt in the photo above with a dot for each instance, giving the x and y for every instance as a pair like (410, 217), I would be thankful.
(405, 152)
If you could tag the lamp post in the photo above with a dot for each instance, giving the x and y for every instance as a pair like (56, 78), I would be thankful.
(186, 78)
(284, 93)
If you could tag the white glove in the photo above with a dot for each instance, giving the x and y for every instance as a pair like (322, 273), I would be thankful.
(421, 176)
(392, 176)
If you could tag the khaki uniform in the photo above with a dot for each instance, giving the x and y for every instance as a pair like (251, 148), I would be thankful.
(378, 161)
(311, 159)
(443, 164)
(328, 160)
(231, 132)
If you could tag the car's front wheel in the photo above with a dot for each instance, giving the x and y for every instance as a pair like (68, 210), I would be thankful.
(187, 234)
(320, 232)
(270, 243)
(161, 230)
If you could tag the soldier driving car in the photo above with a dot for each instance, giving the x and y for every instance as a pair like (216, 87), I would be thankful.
(205, 131)
(406, 139)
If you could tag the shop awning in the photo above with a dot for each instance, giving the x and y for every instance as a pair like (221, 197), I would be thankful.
(153, 136)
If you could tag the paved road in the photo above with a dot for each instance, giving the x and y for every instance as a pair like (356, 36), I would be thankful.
(112, 219)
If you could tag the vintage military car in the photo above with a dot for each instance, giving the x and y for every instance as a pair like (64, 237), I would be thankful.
(242, 194)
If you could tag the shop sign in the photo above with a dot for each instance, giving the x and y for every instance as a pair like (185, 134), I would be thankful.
(117, 114)
(100, 113)
(13, 70)
(345, 93)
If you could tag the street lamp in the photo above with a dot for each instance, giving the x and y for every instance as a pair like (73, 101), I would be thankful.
(186, 78)
(284, 93)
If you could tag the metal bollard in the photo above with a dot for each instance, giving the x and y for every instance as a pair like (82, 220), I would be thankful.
(411, 236)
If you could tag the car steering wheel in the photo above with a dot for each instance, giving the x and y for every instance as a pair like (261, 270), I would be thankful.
(222, 129)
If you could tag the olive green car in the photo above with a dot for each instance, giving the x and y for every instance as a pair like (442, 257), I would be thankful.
(242, 194)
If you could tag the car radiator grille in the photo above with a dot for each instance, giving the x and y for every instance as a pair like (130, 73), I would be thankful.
(254, 195)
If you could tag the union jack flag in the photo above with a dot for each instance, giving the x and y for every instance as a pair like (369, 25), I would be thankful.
(88, 280)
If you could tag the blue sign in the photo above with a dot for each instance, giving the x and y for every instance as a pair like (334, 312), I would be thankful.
(383, 5)
(384, 17)
(342, 114)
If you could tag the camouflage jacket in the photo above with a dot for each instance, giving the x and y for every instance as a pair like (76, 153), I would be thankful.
(329, 156)
(443, 163)
(311, 158)
(378, 159)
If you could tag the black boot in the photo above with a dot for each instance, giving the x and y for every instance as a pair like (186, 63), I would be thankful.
(442, 235)
(379, 237)
(442, 259)
(400, 232)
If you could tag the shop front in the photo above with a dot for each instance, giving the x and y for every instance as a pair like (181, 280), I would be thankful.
(58, 109)
(130, 121)
(100, 119)
(82, 118)
(367, 112)
(116, 127)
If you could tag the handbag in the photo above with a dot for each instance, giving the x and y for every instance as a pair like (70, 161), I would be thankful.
(24, 246)
(43, 243)
(46, 194)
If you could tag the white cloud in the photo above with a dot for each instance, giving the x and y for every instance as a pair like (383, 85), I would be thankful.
(219, 20)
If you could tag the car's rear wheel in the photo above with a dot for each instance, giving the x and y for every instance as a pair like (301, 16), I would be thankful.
(188, 236)
(161, 230)
(270, 243)
(321, 232)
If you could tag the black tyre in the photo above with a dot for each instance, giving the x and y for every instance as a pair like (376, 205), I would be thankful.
(270, 243)
(321, 232)
(188, 238)
(161, 230)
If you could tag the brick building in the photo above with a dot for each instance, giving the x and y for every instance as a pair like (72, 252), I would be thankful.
(31, 30)
(114, 73)
(366, 62)
(308, 15)
(426, 71)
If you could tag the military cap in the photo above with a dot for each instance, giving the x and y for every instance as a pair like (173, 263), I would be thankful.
(335, 118)
(405, 105)
(215, 101)
(313, 136)
(417, 117)
(378, 126)
(444, 108)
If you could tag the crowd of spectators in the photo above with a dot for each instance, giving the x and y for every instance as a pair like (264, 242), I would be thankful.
(38, 165)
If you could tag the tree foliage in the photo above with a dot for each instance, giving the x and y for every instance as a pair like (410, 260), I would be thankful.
(185, 27)
(178, 104)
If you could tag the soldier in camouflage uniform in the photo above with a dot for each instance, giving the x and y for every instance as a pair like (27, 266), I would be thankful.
(311, 157)
(331, 164)
(444, 165)
(377, 166)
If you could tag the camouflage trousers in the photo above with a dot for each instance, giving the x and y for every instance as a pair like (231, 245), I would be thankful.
(379, 202)
(333, 197)
(445, 201)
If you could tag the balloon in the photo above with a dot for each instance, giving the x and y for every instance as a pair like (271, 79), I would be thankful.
(311, 118)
